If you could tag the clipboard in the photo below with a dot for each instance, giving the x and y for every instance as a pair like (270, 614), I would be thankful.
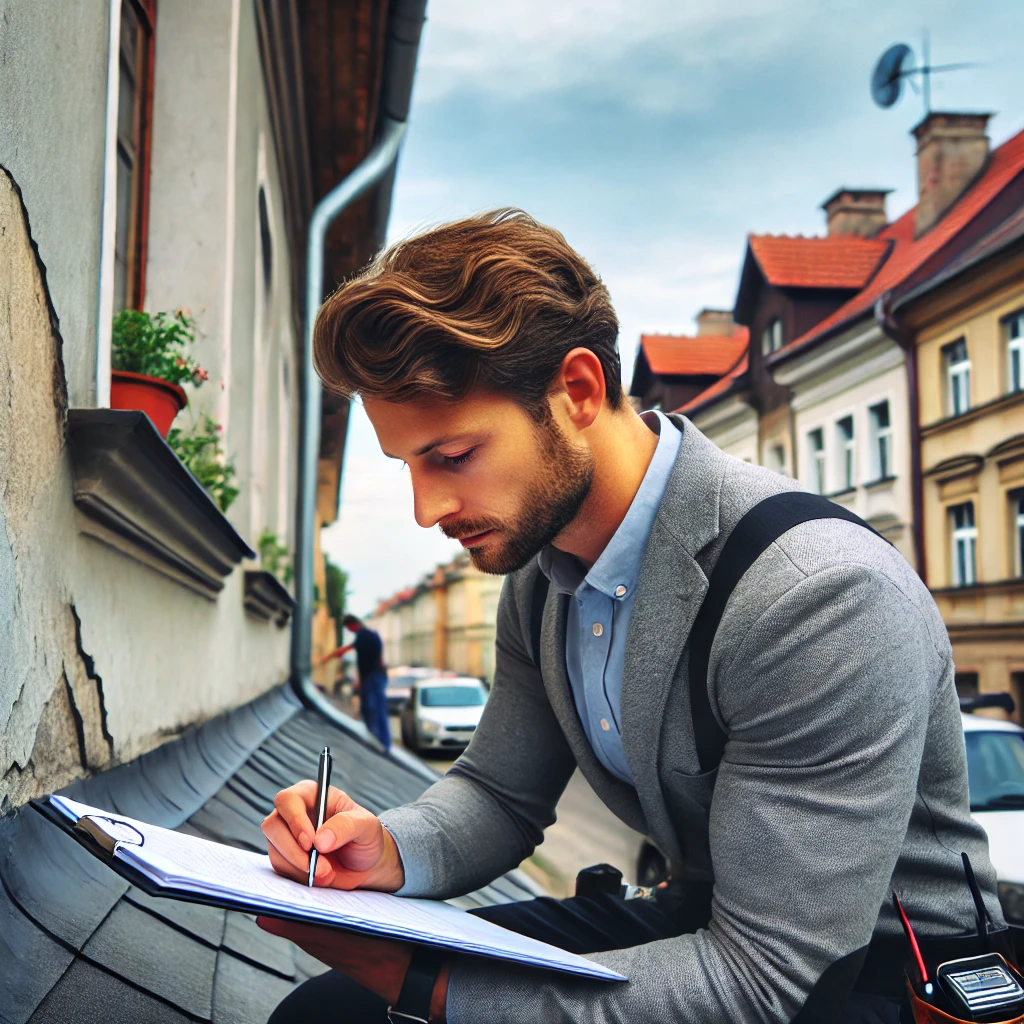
(456, 931)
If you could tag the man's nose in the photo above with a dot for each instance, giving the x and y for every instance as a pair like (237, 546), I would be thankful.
(432, 502)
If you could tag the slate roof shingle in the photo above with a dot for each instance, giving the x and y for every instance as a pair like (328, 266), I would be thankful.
(78, 943)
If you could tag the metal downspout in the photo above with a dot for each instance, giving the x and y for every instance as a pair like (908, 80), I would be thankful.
(892, 329)
(405, 23)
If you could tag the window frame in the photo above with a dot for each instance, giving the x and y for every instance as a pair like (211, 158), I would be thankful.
(771, 336)
(817, 460)
(1017, 524)
(137, 241)
(1014, 350)
(963, 538)
(958, 377)
(881, 440)
(846, 445)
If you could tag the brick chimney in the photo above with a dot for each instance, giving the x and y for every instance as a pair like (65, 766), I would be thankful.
(715, 321)
(951, 151)
(856, 211)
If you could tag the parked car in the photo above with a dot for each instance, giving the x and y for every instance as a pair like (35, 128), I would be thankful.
(400, 682)
(995, 775)
(442, 713)
(995, 778)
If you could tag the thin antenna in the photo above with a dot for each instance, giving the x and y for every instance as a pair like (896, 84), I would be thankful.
(926, 72)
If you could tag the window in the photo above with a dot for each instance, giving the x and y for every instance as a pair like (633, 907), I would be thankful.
(816, 447)
(966, 684)
(133, 117)
(958, 377)
(965, 542)
(1015, 351)
(777, 458)
(847, 453)
(1018, 523)
(771, 337)
(266, 244)
(881, 441)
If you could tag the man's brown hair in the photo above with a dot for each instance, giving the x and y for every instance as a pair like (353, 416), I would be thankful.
(494, 300)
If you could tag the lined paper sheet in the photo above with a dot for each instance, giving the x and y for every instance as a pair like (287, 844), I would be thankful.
(198, 868)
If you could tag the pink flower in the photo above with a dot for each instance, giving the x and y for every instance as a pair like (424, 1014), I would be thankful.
(199, 375)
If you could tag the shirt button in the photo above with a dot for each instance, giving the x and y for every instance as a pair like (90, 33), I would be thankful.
(620, 590)
(598, 629)
(604, 724)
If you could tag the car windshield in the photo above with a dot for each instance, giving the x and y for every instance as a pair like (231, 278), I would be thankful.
(452, 696)
(401, 682)
(995, 770)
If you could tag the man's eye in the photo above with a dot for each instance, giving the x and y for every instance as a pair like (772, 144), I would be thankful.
(458, 460)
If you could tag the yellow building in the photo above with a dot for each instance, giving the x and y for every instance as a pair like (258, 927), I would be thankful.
(967, 322)
(446, 621)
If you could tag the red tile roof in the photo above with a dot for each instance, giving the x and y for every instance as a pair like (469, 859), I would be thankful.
(839, 261)
(721, 387)
(909, 254)
(678, 355)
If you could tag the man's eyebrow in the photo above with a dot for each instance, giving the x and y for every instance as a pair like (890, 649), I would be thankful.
(427, 447)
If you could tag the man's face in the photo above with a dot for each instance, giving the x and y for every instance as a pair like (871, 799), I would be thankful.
(487, 473)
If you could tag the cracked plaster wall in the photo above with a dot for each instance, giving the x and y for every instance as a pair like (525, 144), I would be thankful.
(101, 658)
(51, 718)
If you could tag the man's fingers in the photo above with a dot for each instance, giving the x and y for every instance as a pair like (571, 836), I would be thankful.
(280, 836)
(294, 805)
(285, 867)
(354, 837)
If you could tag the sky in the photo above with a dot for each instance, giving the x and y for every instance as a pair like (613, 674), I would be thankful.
(656, 134)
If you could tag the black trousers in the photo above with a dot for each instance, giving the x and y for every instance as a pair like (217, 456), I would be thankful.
(578, 925)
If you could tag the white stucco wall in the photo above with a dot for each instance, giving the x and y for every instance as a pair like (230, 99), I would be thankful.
(845, 377)
(53, 79)
(732, 425)
(92, 630)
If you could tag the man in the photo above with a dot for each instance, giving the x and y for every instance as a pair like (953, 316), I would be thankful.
(485, 355)
(373, 677)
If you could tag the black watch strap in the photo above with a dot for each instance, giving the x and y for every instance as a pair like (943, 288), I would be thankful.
(413, 1005)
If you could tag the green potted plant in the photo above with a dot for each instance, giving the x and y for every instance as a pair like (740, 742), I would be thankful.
(203, 456)
(151, 358)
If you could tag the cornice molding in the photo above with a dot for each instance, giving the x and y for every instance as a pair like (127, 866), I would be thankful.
(133, 493)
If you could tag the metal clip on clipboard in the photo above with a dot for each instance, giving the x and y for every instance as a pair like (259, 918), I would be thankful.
(111, 834)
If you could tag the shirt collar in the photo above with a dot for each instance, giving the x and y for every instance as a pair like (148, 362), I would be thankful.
(619, 564)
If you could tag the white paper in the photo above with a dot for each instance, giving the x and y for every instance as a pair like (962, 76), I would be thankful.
(196, 867)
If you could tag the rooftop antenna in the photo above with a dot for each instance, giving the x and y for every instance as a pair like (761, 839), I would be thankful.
(897, 64)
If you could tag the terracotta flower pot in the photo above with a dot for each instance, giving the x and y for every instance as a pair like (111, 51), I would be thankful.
(160, 400)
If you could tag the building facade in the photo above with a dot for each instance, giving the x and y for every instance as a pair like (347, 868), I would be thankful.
(968, 328)
(448, 621)
(160, 156)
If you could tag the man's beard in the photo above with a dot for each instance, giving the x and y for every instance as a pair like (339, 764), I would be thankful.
(551, 503)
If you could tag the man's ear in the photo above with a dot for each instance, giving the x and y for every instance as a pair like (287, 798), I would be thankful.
(580, 383)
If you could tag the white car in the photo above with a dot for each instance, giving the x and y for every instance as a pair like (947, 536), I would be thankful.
(995, 775)
(442, 713)
(399, 686)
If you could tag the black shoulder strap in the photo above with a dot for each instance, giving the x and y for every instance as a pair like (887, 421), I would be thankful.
(540, 595)
(760, 527)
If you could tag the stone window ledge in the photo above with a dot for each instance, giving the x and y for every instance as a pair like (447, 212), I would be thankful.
(133, 493)
(266, 597)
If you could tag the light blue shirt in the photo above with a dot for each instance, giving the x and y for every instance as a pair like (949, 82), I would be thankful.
(601, 605)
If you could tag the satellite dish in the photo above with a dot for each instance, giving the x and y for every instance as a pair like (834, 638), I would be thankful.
(891, 69)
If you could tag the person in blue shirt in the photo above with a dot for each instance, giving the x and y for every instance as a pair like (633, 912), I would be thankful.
(373, 676)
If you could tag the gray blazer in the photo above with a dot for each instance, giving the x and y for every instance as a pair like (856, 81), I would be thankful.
(844, 774)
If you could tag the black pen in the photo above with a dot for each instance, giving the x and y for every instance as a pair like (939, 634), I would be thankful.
(323, 783)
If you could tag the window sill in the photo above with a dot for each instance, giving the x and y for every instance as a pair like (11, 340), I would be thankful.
(133, 493)
(1007, 400)
(881, 484)
(266, 598)
(1007, 586)
(846, 492)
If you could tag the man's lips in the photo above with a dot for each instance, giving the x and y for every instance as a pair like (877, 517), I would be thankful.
(474, 539)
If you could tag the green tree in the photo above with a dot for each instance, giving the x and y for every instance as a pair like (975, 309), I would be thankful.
(337, 589)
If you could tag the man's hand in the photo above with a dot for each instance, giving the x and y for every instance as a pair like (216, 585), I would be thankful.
(356, 851)
(377, 964)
